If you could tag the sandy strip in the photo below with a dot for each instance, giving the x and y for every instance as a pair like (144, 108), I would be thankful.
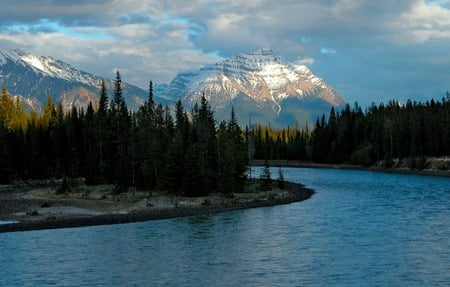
(76, 217)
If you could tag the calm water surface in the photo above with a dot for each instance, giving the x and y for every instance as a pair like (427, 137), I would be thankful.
(359, 229)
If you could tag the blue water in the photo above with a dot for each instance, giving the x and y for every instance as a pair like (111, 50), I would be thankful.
(359, 229)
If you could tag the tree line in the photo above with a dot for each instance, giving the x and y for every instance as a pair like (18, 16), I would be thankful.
(152, 148)
(380, 133)
(188, 152)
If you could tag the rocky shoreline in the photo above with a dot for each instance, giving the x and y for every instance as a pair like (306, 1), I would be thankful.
(110, 210)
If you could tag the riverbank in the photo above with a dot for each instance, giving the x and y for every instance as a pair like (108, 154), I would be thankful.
(25, 208)
(433, 166)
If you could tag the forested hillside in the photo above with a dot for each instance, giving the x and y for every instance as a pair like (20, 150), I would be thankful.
(147, 149)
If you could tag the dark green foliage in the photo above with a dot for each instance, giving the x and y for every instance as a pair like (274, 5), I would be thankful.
(265, 177)
(5, 156)
(146, 149)
(417, 163)
(232, 157)
(363, 156)
(191, 155)
(64, 188)
(280, 180)
(381, 133)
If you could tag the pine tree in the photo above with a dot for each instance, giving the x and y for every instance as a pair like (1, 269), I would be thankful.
(103, 102)
(265, 177)
(175, 165)
(118, 169)
(226, 158)
(102, 134)
(239, 152)
(194, 179)
(20, 117)
(6, 172)
(49, 110)
(6, 109)
(90, 147)
(147, 143)
(206, 146)
(280, 180)
(118, 101)
(151, 102)
(177, 150)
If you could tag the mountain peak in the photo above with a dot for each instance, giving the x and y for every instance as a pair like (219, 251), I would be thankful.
(261, 77)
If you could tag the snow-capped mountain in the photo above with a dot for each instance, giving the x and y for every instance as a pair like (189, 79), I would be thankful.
(262, 87)
(32, 78)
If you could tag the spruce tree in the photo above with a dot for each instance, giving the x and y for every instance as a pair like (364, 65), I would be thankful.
(280, 180)
(206, 145)
(265, 178)
(7, 110)
(102, 134)
(120, 121)
(5, 156)
(239, 152)
(226, 161)
(90, 147)
(103, 101)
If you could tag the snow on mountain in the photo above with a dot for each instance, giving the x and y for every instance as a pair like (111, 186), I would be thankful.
(261, 86)
(51, 67)
(268, 80)
(33, 78)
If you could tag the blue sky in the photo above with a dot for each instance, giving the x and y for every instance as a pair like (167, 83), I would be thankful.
(369, 51)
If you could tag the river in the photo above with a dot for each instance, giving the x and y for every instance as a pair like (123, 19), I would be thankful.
(359, 229)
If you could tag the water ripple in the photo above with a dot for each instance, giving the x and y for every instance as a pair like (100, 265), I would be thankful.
(360, 228)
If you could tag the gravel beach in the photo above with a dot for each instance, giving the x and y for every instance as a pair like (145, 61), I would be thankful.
(35, 208)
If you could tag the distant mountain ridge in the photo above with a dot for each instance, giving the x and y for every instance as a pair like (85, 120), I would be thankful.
(32, 78)
(261, 86)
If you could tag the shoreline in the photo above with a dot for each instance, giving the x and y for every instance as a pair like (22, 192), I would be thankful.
(295, 193)
(399, 170)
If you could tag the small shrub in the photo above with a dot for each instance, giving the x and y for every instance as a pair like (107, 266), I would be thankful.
(265, 177)
(388, 162)
(422, 163)
(419, 163)
(362, 156)
(64, 188)
(443, 166)
(280, 181)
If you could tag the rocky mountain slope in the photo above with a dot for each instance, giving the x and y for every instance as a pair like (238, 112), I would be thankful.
(33, 78)
(261, 86)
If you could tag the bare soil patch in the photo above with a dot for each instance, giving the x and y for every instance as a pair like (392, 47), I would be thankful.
(42, 207)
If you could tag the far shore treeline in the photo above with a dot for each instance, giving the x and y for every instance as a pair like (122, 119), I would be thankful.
(382, 133)
(189, 153)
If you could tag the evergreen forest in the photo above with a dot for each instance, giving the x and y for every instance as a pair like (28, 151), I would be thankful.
(381, 133)
(189, 153)
(183, 152)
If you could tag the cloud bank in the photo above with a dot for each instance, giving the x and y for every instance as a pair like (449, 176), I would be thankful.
(368, 50)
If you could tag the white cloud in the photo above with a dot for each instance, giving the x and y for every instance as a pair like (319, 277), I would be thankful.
(307, 61)
(156, 39)
(425, 22)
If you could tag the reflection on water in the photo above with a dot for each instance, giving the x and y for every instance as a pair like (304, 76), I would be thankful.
(360, 228)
